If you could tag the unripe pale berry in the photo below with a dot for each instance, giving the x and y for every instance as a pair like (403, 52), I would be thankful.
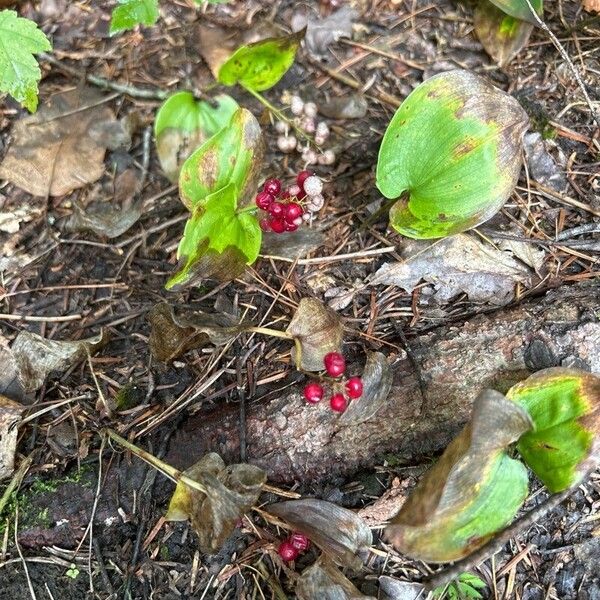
(327, 158)
(308, 125)
(354, 387)
(316, 203)
(264, 200)
(322, 129)
(320, 140)
(338, 403)
(287, 551)
(299, 541)
(297, 105)
(313, 186)
(313, 392)
(309, 156)
(335, 364)
(310, 110)
(272, 186)
(281, 127)
(302, 177)
(298, 221)
(294, 191)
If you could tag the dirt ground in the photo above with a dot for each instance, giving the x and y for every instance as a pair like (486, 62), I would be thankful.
(111, 284)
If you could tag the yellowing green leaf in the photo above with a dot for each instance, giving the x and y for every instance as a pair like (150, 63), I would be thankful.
(519, 8)
(473, 491)
(451, 155)
(183, 124)
(20, 39)
(564, 405)
(260, 65)
(129, 13)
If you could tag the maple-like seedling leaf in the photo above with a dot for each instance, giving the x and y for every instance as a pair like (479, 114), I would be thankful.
(20, 73)
(130, 13)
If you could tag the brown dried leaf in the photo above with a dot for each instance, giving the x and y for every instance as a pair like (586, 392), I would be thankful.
(292, 245)
(324, 581)
(591, 5)
(230, 493)
(377, 381)
(53, 152)
(317, 330)
(10, 415)
(338, 532)
(351, 106)
(175, 331)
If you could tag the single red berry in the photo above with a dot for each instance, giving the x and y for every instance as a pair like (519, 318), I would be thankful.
(292, 212)
(264, 200)
(302, 177)
(313, 392)
(290, 226)
(265, 224)
(277, 210)
(287, 551)
(285, 195)
(277, 225)
(299, 541)
(338, 403)
(272, 186)
(354, 387)
(335, 364)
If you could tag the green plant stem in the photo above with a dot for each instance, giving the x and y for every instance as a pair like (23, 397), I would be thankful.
(271, 332)
(281, 116)
(248, 209)
(153, 461)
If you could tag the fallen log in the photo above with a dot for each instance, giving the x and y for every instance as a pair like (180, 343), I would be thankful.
(292, 440)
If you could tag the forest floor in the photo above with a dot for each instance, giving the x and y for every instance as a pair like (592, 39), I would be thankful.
(70, 285)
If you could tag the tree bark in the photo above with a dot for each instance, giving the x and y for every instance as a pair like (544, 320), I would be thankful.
(292, 440)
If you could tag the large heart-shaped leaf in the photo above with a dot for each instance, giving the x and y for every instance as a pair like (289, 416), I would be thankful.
(564, 405)
(183, 123)
(260, 65)
(234, 154)
(473, 491)
(451, 155)
(519, 8)
(502, 36)
(218, 241)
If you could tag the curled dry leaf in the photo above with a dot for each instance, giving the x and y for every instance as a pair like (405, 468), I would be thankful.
(351, 106)
(175, 331)
(473, 491)
(230, 491)
(322, 33)
(394, 589)
(502, 36)
(542, 166)
(377, 381)
(317, 331)
(455, 265)
(564, 405)
(10, 415)
(32, 358)
(340, 533)
(324, 581)
(292, 245)
(53, 152)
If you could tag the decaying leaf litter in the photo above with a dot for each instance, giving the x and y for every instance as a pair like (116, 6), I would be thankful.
(81, 283)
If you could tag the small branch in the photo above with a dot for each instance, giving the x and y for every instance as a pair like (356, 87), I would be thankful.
(271, 332)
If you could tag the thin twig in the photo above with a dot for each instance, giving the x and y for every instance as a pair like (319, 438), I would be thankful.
(29, 584)
(33, 319)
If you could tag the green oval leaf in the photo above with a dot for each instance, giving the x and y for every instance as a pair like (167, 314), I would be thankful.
(451, 154)
(260, 65)
(564, 405)
(502, 36)
(218, 242)
(234, 154)
(519, 8)
(183, 124)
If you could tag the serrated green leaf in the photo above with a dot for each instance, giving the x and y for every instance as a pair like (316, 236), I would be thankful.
(451, 155)
(20, 74)
(259, 66)
(564, 405)
(234, 154)
(502, 36)
(130, 13)
(473, 491)
(183, 124)
(519, 8)
(219, 240)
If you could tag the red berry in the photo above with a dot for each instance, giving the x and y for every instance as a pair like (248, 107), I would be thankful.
(265, 224)
(335, 364)
(292, 212)
(272, 186)
(302, 177)
(338, 403)
(287, 551)
(299, 541)
(277, 225)
(276, 210)
(313, 392)
(290, 226)
(354, 387)
(264, 200)
(285, 195)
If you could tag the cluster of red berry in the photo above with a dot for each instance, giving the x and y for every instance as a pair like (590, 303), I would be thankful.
(293, 546)
(335, 365)
(285, 207)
